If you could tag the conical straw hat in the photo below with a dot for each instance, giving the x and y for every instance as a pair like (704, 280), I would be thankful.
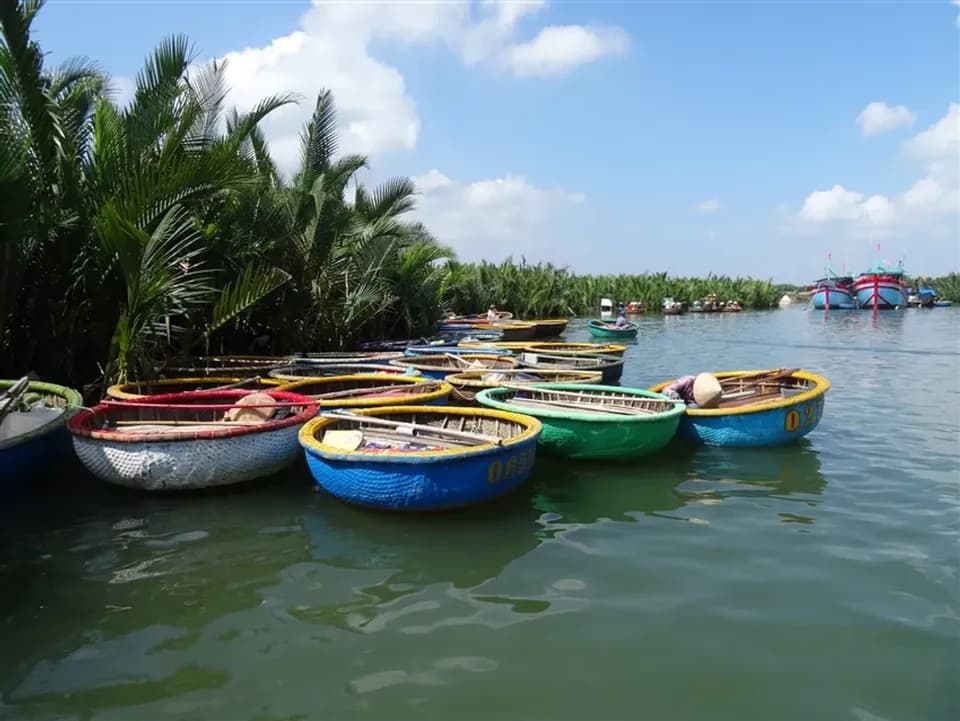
(261, 414)
(706, 391)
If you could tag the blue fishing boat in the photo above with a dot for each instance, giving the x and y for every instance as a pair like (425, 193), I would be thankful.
(922, 297)
(757, 408)
(420, 458)
(881, 288)
(33, 419)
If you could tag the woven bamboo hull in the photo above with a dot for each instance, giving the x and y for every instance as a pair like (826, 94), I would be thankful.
(189, 464)
(588, 437)
(440, 368)
(425, 480)
(516, 332)
(34, 452)
(761, 424)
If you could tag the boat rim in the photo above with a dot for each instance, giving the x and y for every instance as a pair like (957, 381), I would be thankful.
(821, 386)
(116, 391)
(71, 396)
(413, 361)
(678, 406)
(443, 391)
(310, 442)
(457, 379)
(575, 348)
(77, 424)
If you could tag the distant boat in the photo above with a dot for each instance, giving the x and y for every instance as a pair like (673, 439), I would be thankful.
(606, 309)
(881, 288)
(833, 293)
(922, 297)
(943, 303)
(672, 307)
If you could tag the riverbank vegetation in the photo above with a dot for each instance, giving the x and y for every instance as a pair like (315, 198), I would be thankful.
(131, 235)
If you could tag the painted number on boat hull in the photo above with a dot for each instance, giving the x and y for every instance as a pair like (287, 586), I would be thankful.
(808, 415)
(515, 465)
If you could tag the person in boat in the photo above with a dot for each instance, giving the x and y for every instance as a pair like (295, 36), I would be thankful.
(621, 317)
(699, 391)
(492, 313)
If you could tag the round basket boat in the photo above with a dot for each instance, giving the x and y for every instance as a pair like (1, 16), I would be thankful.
(140, 389)
(576, 348)
(296, 372)
(603, 329)
(181, 441)
(467, 384)
(225, 366)
(610, 366)
(32, 438)
(459, 349)
(593, 422)
(440, 366)
(758, 408)
(514, 330)
(370, 390)
(331, 358)
(549, 328)
(420, 458)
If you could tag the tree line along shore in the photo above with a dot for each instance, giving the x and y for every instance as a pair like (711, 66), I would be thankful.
(163, 228)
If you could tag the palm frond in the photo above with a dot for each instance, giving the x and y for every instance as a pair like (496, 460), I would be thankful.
(249, 288)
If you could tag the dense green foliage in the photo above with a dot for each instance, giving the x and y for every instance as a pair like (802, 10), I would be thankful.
(543, 290)
(163, 228)
(130, 236)
(948, 286)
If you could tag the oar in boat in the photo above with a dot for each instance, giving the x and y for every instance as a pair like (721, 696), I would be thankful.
(570, 399)
(413, 428)
(775, 373)
(585, 409)
(238, 384)
(358, 392)
(10, 398)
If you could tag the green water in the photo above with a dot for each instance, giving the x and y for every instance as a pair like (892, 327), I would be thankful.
(811, 582)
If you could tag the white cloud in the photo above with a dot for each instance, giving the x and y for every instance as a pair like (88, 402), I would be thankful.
(878, 117)
(556, 49)
(918, 209)
(333, 48)
(492, 219)
(710, 205)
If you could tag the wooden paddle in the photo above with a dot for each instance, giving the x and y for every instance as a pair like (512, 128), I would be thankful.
(11, 397)
(759, 375)
(359, 392)
(238, 384)
(412, 428)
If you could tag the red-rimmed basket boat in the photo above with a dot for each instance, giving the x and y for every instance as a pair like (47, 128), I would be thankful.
(181, 441)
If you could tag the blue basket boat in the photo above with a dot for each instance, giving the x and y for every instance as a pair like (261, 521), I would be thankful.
(420, 458)
(440, 366)
(758, 408)
(32, 438)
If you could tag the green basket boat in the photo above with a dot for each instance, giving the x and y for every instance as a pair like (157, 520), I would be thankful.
(603, 329)
(591, 421)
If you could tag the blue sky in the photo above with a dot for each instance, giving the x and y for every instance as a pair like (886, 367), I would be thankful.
(733, 137)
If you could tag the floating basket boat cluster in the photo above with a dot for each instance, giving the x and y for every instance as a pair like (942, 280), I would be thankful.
(425, 426)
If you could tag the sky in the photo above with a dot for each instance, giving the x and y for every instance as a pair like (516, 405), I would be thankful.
(739, 138)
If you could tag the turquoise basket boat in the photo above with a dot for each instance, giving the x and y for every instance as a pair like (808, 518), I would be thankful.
(592, 422)
(420, 458)
(757, 412)
(30, 440)
(603, 329)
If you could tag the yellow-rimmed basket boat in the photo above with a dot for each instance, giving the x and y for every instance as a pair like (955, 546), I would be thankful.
(371, 390)
(140, 389)
(614, 349)
(514, 330)
(549, 327)
(294, 372)
(757, 408)
(440, 366)
(467, 384)
(420, 458)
